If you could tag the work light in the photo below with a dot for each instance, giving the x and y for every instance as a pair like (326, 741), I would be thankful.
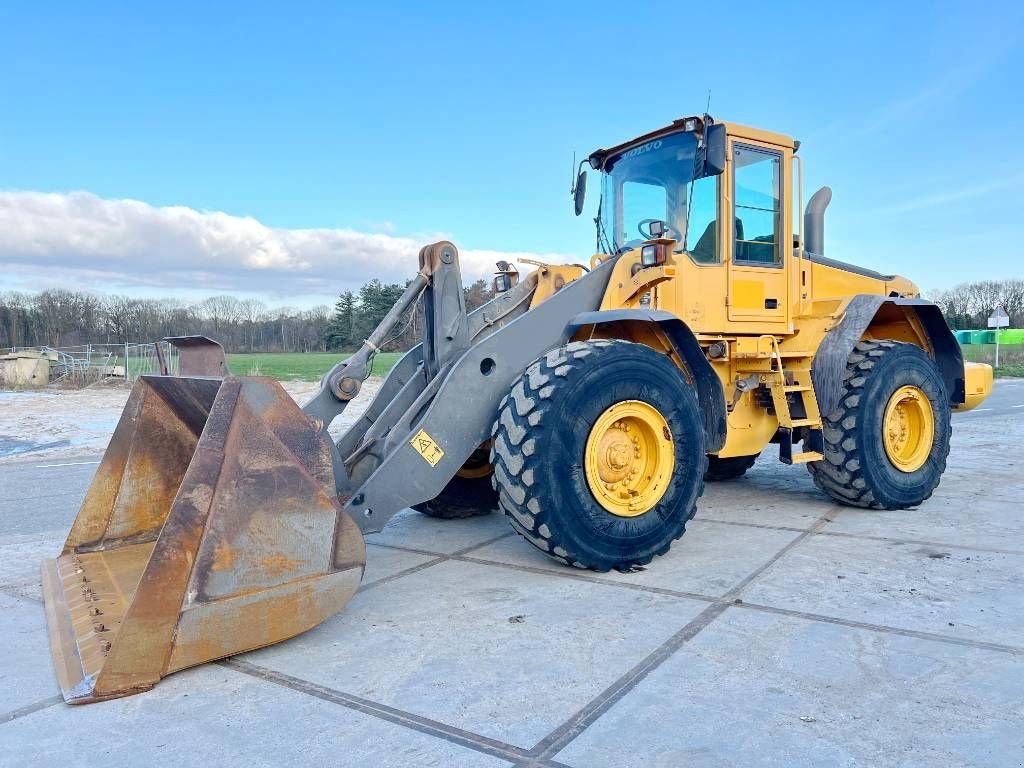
(652, 255)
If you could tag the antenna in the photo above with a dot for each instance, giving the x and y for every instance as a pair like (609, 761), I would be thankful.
(572, 175)
(707, 110)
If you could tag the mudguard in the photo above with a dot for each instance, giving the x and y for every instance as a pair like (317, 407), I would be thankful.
(710, 392)
(830, 360)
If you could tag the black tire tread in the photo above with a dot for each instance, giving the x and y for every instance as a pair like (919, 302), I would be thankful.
(520, 415)
(839, 474)
(728, 468)
(453, 507)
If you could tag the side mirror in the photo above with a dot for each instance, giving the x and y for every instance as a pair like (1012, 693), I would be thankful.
(579, 192)
(714, 150)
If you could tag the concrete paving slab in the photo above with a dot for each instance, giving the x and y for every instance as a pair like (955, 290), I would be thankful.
(413, 529)
(382, 562)
(973, 518)
(506, 654)
(216, 716)
(26, 672)
(769, 494)
(757, 689)
(21, 556)
(964, 593)
(710, 558)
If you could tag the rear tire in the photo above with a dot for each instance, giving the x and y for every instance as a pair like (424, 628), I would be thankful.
(469, 494)
(541, 447)
(729, 468)
(859, 468)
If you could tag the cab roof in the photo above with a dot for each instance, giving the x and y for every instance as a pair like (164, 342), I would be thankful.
(598, 157)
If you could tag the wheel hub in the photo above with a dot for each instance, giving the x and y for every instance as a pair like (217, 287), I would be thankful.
(629, 458)
(908, 428)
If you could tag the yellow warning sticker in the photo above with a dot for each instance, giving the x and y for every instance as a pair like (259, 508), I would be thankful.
(427, 448)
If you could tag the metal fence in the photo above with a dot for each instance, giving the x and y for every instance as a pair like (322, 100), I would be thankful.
(91, 362)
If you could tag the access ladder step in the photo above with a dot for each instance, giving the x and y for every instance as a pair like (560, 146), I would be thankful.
(813, 446)
(812, 423)
(805, 457)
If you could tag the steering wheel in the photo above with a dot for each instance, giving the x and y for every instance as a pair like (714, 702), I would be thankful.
(668, 230)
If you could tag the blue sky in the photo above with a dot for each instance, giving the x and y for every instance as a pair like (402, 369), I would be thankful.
(402, 121)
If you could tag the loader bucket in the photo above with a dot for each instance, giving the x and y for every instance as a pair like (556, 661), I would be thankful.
(212, 527)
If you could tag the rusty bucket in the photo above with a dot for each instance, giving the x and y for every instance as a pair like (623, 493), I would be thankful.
(212, 527)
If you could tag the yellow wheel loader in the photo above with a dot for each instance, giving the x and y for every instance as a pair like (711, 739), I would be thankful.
(588, 402)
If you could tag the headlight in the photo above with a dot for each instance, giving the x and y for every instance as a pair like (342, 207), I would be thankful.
(652, 255)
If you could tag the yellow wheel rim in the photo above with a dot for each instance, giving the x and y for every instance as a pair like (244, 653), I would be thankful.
(629, 458)
(908, 428)
(478, 464)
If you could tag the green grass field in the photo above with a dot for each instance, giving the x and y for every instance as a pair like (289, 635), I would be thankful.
(308, 366)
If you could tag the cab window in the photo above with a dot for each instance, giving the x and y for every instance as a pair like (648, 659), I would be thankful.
(702, 230)
(641, 201)
(756, 182)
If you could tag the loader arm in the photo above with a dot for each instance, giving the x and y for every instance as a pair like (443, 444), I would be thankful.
(454, 413)
(448, 388)
(448, 331)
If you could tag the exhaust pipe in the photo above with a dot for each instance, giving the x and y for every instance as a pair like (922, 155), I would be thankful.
(814, 221)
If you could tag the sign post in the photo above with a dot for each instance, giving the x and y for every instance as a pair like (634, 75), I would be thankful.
(998, 319)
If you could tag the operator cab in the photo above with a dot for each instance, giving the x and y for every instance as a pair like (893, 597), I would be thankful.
(726, 224)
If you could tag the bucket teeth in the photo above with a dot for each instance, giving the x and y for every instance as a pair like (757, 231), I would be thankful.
(211, 528)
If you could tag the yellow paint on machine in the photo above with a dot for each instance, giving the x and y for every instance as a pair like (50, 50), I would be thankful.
(427, 447)
(748, 294)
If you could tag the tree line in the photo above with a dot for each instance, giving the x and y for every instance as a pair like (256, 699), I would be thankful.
(969, 305)
(65, 318)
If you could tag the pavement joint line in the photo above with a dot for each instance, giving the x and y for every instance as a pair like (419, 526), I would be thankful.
(576, 575)
(482, 544)
(406, 572)
(447, 555)
(591, 712)
(572, 728)
(870, 537)
(400, 548)
(883, 628)
(825, 518)
(824, 618)
(425, 725)
(29, 709)
(15, 592)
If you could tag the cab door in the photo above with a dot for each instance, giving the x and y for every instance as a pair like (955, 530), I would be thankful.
(758, 286)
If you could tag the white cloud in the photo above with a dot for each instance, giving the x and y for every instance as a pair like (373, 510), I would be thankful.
(79, 239)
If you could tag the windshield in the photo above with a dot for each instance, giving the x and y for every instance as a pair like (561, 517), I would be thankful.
(649, 181)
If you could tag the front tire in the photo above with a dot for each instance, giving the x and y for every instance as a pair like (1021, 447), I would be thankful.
(608, 413)
(887, 441)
